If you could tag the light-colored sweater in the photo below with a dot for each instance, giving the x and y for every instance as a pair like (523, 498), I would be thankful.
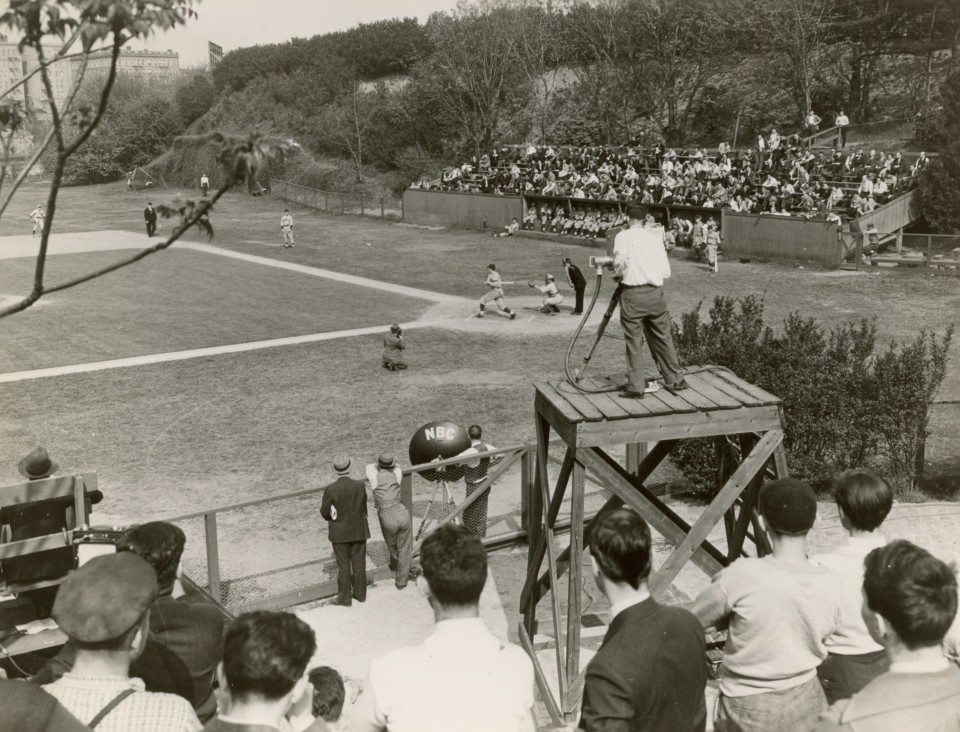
(778, 614)
(851, 636)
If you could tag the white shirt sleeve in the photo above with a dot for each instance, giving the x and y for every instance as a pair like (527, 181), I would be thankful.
(371, 472)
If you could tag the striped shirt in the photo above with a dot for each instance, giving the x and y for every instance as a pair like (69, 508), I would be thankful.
(142, 711)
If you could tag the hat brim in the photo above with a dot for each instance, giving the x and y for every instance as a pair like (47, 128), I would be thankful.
(391, 464)
(22, 469)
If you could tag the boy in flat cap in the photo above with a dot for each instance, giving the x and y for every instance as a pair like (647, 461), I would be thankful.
(777, 611)
(344, 507)
(103, 608)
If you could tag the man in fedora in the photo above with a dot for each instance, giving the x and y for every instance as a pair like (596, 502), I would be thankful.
(40, 518)
(103, 608)
(344, 507)
(395, 521)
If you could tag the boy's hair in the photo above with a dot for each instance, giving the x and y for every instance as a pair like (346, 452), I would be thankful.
(328, 693)
(161, 544)
(454, 564)
(864, 496)
(265, 653)
(474, 432)
(913, 590)
(620, 543)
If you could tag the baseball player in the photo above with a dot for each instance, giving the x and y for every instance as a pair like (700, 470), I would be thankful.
(495, 293)
(286, 226)
(552, 296)
(38, 217)
(204, 185)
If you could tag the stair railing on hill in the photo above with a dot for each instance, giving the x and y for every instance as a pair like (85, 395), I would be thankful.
(358, 204)
(229, 532)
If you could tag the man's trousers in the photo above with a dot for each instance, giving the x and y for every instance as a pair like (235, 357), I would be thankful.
(351, 571)
(643, 311)
(578, 307)
(475, 515)
(397, 528)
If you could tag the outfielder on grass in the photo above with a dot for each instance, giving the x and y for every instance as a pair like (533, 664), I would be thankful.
(495, 293)
(286, 226)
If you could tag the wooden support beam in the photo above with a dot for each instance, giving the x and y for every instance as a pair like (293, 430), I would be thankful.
(649, 464)
(752, 465)
(574, 585)
(546, 695)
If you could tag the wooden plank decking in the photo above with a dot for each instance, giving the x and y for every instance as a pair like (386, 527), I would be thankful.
(716, 402)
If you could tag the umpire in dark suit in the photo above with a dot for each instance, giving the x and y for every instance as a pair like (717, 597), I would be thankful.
(577, 281)
(650, 672)
(150, 219)
(344, 506)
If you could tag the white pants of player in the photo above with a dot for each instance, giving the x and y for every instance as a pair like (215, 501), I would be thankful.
(288, 236)
(493, 296)
(555, 300)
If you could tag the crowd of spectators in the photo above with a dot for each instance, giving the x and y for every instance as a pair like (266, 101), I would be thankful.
(579, 191)
(853, 639)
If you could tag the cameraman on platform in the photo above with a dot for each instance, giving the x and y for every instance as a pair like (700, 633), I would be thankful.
(641, 264)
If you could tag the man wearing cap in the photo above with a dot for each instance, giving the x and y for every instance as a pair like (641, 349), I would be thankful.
(395, 521)
(103, 608)
(393, 347)
(344, 507)
(40, 518)
(551, 295)
(38, 217)
(778, 611)
(286, 227)
(150, 219)
(640, 260)
(494, 283)
(577, 281)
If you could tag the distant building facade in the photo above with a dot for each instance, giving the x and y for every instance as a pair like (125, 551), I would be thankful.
(148, 63)
(216, 54)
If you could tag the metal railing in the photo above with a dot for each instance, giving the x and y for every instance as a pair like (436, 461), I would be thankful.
(938, 253)
(357, 204)
(272, 552)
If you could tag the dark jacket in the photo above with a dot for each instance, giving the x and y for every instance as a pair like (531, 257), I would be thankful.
(575, 276)
(150, 215)
(350, 498)
(649, 674)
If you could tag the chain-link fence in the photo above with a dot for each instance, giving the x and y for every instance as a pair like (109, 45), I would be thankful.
(356, 204)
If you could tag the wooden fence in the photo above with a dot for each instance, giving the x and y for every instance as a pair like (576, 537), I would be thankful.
(461, 210)
(782, 238)
(358, 204)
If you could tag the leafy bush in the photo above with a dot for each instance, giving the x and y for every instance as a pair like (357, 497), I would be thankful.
(845, 403)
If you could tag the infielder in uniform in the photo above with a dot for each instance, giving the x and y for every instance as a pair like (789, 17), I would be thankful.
(37, 216)
(286, 226)
(495, 293)
(577, 281)
(552, 297)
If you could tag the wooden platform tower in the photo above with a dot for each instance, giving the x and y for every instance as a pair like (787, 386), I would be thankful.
(746, 424)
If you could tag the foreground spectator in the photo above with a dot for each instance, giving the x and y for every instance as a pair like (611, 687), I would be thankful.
(854, 659)
(28, 708)
(329, 694)
(103, 607)
(190, 634)
(778, 611)
(650, 672)
(910, 600)
(262, 677)
(462, 677)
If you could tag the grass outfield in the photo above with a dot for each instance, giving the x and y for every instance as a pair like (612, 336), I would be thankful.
(177, 300)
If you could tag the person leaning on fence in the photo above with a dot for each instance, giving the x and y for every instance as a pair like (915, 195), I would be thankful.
(384, 478)
(475, 474)
(853, 658)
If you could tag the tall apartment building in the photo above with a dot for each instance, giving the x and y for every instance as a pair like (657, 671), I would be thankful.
(11, 68)
(148, 63)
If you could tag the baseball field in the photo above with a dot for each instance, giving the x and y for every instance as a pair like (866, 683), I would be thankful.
(233, 369)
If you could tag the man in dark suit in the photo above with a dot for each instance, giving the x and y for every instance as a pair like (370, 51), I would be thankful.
(577, 281)
(650, 672)
(150, 218)
(344, 507)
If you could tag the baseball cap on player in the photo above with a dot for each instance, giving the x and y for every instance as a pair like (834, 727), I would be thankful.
(395, 328)
(567, 260)
(549, 278)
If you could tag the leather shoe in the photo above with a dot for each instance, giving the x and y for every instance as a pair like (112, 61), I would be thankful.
(630, 394)
(341, 603)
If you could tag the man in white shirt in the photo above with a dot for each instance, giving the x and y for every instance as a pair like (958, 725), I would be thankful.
(460, 678)
(640, 259)
(854, 659)
(551, 296)
(910, 600)
(812, 122)
(843, 122)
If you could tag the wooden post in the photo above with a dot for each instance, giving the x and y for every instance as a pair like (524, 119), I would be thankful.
(929, 251)
(636, 452)
(326, 201)
(381, 208)
(858, 252)
(213, 555)
(736, 129)
(526, 486)
(900, 242)
(574, 595)
(361, 205)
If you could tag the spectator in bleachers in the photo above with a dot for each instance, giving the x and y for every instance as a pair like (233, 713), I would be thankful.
(843, 122)
(649, 673)
(460, 678)
(910, 601)
(263, 681)
(104, 609)
(777, 611)
(853, 658)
